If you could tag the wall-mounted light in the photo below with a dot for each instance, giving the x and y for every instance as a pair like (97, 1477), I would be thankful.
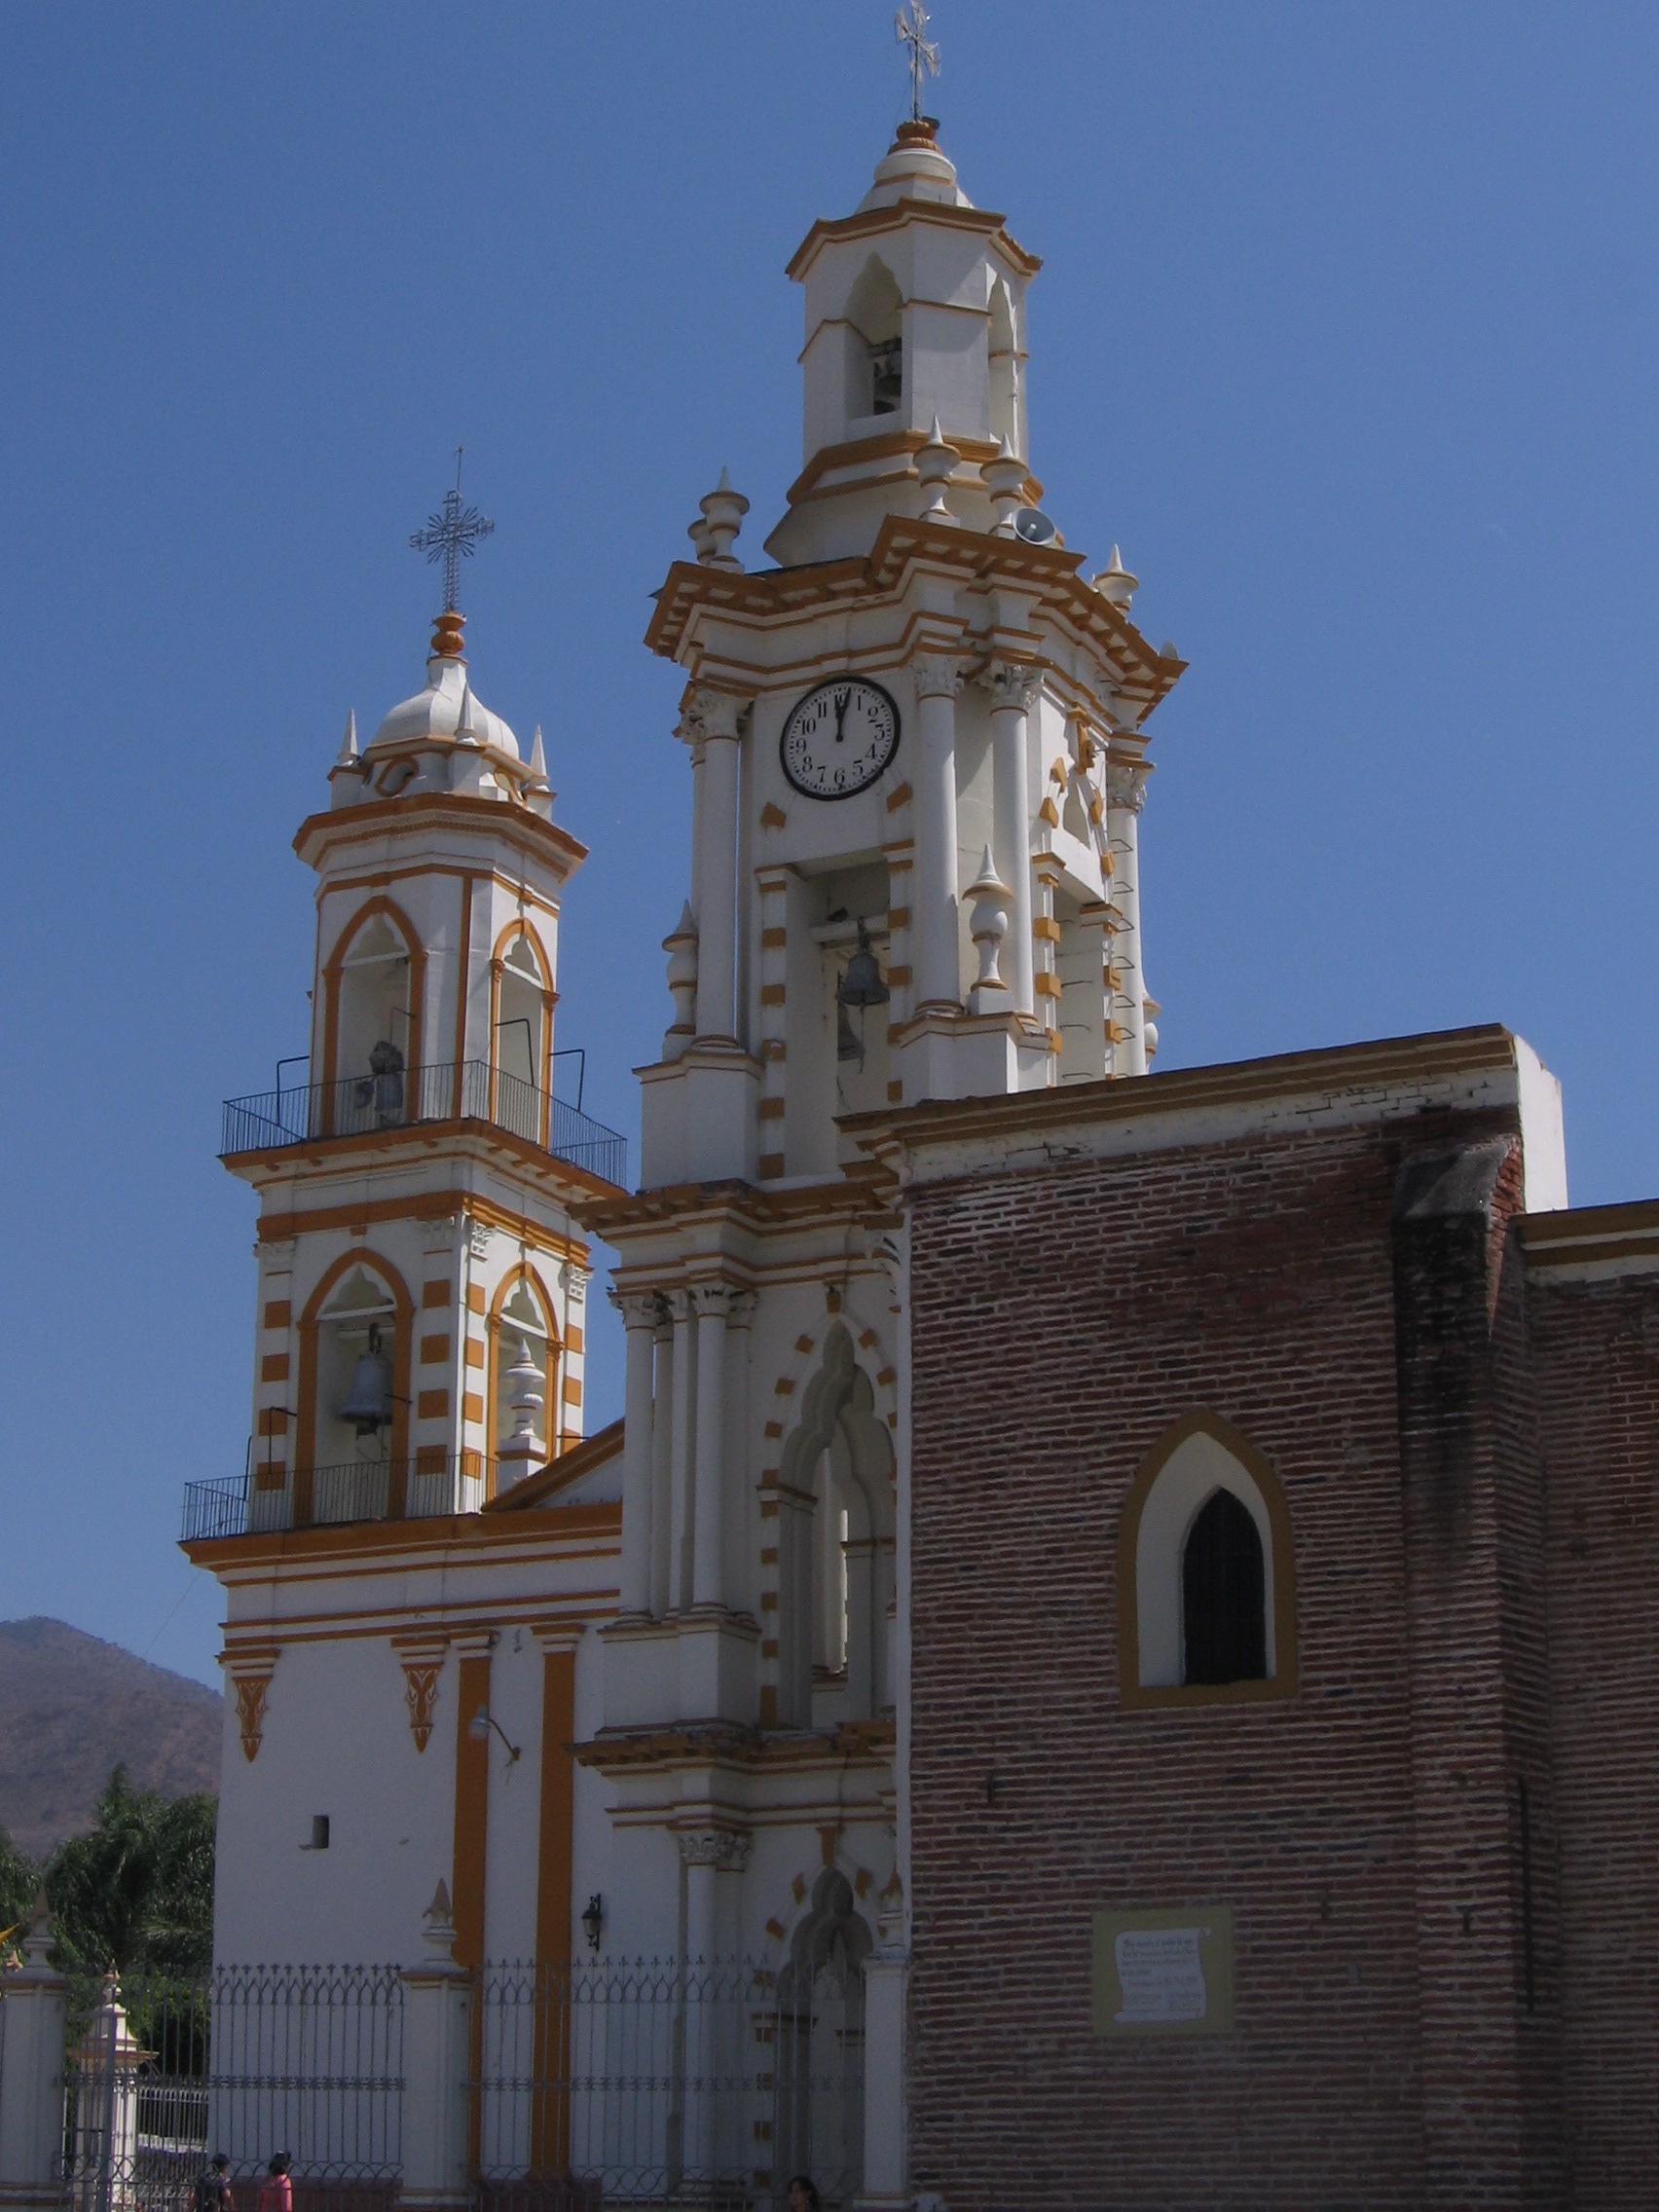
(480, 1725)
(593, 1921)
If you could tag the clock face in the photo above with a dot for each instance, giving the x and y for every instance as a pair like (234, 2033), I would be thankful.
(839, 738)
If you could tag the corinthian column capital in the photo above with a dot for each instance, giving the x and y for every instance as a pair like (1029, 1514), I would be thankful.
(638, 1309)
(938, 675)
(715, 1847)
(1126, 787)
(1012, 685)
(715, 714)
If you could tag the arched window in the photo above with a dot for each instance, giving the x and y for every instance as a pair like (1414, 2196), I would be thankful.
(523, 1322)
(1224, 1621)
(354, 1397)
(876, 343)
(372, 1033)
(522, 1036)
(818, 2122)
(1205, 1574)
(836, 1566)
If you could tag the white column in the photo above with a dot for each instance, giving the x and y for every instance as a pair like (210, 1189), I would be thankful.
(716, 714)
(662, 1465)
(638, 1312)
(932, 814)
(712, 2021)
(707, 1546)
(436, 2054)
(885, 1975)
(680, 1457)
(1126, 795)
(1013, 690)
(31, 2077)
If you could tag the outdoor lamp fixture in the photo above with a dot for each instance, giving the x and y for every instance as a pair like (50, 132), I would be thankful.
(480, 1725)
(593, 1922)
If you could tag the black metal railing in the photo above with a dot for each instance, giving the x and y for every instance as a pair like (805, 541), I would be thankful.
(360, 1105)
(421, 1487)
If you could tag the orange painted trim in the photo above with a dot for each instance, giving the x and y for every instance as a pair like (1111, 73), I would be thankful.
(471, 1859)
(333, 971)
(320, 833)
(402, 1366)
(430, 1205)
(313, 1549)
(1282, 1684)
(525, 1273)
(550, 2115)
(462, 979)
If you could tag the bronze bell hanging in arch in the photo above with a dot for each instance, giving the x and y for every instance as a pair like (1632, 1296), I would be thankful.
(862, 986)
(368, 1402)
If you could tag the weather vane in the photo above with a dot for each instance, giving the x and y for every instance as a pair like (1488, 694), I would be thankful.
(452, 535)
(923, 59)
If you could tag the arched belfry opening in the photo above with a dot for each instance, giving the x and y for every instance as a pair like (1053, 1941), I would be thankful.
(876, 343)
(373, 1028)
(818, 2126)
(357, 1388)
(835, 1561)
(523, 1036)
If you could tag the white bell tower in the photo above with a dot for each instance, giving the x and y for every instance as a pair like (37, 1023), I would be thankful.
(917, 765)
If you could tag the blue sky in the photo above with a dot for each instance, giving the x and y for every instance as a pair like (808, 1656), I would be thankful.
(1347, 333)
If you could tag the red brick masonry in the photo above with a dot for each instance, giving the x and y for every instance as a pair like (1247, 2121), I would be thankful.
(1442, 1852)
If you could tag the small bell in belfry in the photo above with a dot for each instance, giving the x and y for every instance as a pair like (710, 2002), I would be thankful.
(368, 1402)
(861, 986)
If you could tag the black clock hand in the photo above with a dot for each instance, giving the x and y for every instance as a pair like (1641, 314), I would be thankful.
(843, 700)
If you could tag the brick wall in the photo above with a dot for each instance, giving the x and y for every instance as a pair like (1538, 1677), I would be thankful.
(1063, 1318)
(1596, 1354)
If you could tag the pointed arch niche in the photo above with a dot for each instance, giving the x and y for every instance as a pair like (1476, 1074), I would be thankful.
(522, 1312)
(360, 1305)
(835, 1549)
(374, 982)
(874, 323)
(818, 2061)
(1206, 1577)
(522, 999)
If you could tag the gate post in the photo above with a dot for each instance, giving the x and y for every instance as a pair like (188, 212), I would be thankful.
(886, 1977)
(31, 2077)
(437, 2053)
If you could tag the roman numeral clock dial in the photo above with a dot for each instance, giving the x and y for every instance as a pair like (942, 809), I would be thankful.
(839, 738)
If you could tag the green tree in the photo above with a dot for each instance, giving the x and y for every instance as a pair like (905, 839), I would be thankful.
(138, 1892)
(20, 1879)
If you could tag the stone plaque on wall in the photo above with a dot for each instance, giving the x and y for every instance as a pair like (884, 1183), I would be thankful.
(1164, 1970)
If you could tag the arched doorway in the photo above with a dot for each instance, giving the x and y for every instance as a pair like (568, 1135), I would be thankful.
(818, 2119)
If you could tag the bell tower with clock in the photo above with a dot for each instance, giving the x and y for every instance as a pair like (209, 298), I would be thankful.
(917, 757)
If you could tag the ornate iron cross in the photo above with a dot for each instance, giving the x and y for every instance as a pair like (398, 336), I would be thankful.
(452, 535)
(923, 59)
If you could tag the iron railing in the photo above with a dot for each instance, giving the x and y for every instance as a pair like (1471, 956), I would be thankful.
(667, 2082)
(626, 2082)
(359, 1105)
(164, 2072)
(424, 1486)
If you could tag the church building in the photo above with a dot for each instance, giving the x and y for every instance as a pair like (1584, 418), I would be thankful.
(1123, 1601)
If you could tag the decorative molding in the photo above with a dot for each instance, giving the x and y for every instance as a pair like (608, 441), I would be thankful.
(1126, 787)
(420, 1695)
(938, 675)
(638, 1309)
(715, 1301)
(250, 1712)
(720, 1848)
(716, 714)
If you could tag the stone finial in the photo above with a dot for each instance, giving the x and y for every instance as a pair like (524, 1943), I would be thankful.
(990, 901)
(724, 511)
(448, 636)
(437, 1925)
(1116, 583)
(935, 463)
(1005, 480)
(347, 779)
(348, 754)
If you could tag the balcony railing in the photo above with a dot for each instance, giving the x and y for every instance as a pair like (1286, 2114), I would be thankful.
(360, 1105)
(269, 1498)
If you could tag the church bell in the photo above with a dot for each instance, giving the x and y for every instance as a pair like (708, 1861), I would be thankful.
(368, 1402)
(861, 986)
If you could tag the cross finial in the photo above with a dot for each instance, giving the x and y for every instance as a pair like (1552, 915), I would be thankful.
(452, 535)
(923, 59)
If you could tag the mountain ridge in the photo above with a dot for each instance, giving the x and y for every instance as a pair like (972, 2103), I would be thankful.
(73, 1707)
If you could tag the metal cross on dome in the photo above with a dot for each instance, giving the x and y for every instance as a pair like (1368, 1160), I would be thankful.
(923, 60)
(452, 535)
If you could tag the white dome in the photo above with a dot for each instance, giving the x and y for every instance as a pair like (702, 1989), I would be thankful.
(914, 168)
(435, 712)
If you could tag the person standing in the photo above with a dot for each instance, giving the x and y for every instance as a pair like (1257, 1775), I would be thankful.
(276, 2190)
(213, 2191)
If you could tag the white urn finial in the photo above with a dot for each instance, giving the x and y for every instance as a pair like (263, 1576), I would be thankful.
(935, 463)
(987, 925)
(724, 511)
(680, 946)
(1116, 583)
(1005, 480)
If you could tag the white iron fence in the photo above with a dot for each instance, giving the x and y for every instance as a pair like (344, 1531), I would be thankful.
(585, 2084)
